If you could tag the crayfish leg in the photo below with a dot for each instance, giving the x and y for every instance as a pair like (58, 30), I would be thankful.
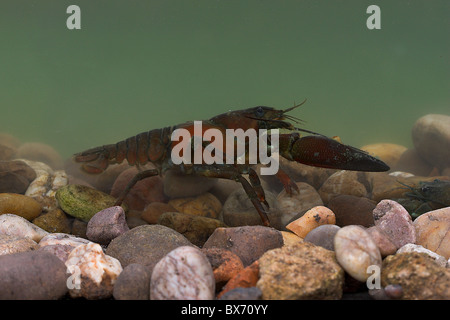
(139, 176)
(289, 185)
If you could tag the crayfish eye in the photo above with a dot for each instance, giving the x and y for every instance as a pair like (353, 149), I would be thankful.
(259, 112)
(425, 189)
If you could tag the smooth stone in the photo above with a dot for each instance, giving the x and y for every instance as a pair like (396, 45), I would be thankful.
(342, 182)
(204, 205)
(20, 205)
(15, 176)
(133, 283)
(252, 293)
(248, 242)
(246, 278)
(382, 241)
(410, 247)
(389, 153)
(106, 225)
(6, 152)
(62, 239)
(11, 224)
(41, 152)
(145, 245)
(395, 221)
(32, 275)
(323, 236)
(300, 271)
(313, 218)
(54, 221)
(59, 250)
(83, 202)
(196, 229)
(290, 238)
(432, 230)
(183, 274)
(153, 210)
(178, 185)
(411, 161)
(13, 244)
(352, 210)
(93, 273)
(356, 251)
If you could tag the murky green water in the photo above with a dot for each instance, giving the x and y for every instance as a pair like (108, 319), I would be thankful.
(139, 65)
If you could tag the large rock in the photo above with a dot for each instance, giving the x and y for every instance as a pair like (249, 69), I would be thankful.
(15, 176)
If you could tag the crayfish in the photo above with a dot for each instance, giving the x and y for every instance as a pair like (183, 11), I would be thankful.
(157, 146)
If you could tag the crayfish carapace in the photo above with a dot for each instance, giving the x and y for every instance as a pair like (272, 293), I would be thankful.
(156, 146)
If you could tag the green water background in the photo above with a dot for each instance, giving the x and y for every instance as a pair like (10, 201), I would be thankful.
(140, 65)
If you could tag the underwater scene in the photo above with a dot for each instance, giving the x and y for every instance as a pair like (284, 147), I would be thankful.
(225, 150)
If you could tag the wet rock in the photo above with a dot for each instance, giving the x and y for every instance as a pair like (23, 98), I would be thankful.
(246, 278)
(248, 242)
(196, 229)
(432, 231)
(290, 238)
(389, 153)
(133, 283)
(410, 247)
(342, 182)
(20, 205)
(145, 245)
(79, 228)
(431, 138)
(153, 210)
(40, 152)
(323, 236)
(238, 210)
(295, 205)
(313, 218)
(83, 202)
(178, 185)
(205, 205)
(395, 222)
(43, 278)
(58, 250)
(412, 162)
(54, 221)
(183, 274)
(61, 244)
(225, 265)
(106, 225)
(15, 176)
(382, 241)
(300, 271)
(356, 251)
(93, 273)
(252, 293)
(352, 210)
(419, 276)
(13, 225)
(144, 192)
(13, 244)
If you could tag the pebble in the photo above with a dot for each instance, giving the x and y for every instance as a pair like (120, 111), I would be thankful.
(196, 229)
(93, 273)
(252, 293)
(145, 245)
(290, 238)
(419, 276)
(313, 218)
(432, 231)
(183, 274)
(248, 242)
(412, 162)
(410, 247)
(13, 244)
(225, 265)
(55, 221)
(15, 176)
(62, 239)
(83, 202)
(106, 225)
(389, 153)
(382, 241)
(204, 205)
(143, 192)
(59, 250)
(342, 182)
(395, 222)
(431, 139)
(352, 210)
(238, 210)
(153, 210)
(41, 152)
(11, 224)
(295, 205)
(300, 271)
(32, 275)
(178, 185)
(20, 205)
(323, 236)
(246, 278)
(133, 283)
(356, 251)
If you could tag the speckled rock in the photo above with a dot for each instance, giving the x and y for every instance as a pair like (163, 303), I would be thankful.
(420, 277)
(62, 239)
(246, 278)
(92, 273)
(225, 265)
(440, 260)
(178, 185)
(323, 236)
(106, 225)
(395, 222)
(15, 176)
(196, 229)
(248, 242)
(133, 283)
(342, 182)
(13, 244)
(352, 210)
(43, 278)
(59, 250)
(183, 274)
(382, 241)
(356, 251)
(313, 218)
(145, 245)
(205, 205)
(153, 210)
(83, 202)
(54, 221)
(20, 205)
(432, 230)
(13, 225)
(300, 271)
